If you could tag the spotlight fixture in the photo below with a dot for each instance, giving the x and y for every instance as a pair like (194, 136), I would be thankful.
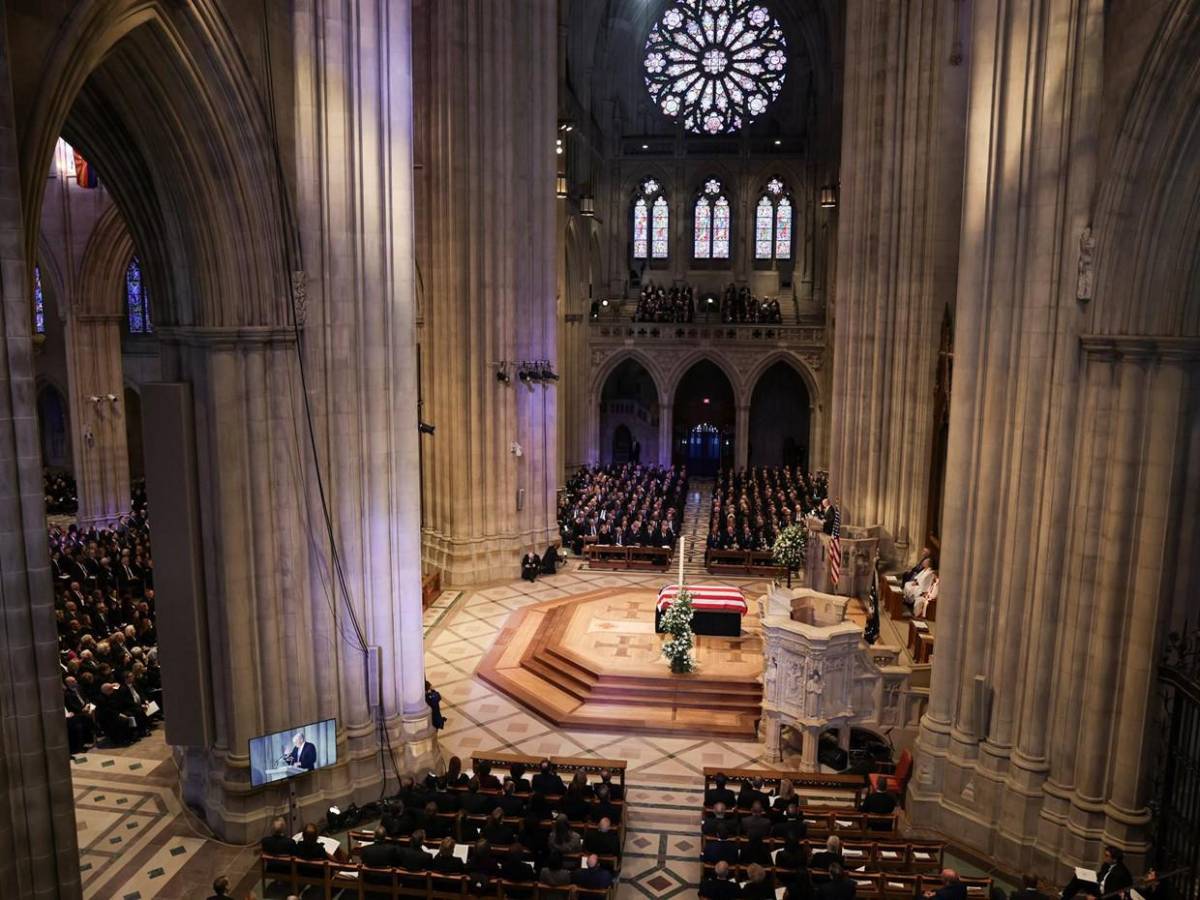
(778, 142)
(595, 310)
(546, 371)
(424, 427)
(111, 398)
(94, 398)
(828, 196)
(604, 303)
(524, 375)
(558, 146)
(587, 205)
(645, 146)
(560, 186)
(502, 375)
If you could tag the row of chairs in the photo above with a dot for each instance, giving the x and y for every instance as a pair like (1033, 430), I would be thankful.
(358, 838)
(916, 857)
(454, 824)
(824, 821)
(846, 786)
(349, 880)
(879, 885)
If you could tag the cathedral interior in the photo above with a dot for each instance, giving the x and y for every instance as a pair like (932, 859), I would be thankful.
(366, 303)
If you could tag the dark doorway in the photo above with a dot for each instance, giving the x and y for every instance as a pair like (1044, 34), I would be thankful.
(702, 433)
(780, 419)
(629, 415)
(52, 428)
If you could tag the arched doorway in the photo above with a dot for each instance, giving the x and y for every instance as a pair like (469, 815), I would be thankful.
(52, 428)
(133, 434)
(780, 419)
(703, 428)
(629, 415)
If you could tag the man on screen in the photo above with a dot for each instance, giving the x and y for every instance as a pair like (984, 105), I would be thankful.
(303, 754)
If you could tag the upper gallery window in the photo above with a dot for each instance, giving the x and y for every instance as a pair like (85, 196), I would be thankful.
(773, 223)
(137, 301)
(39, 302)
(711, 226)
(651, 221)
(715, 65)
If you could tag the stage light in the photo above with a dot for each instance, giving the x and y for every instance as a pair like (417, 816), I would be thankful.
(778, 142)
(645, 146)
(604, 302)
(706, 401)
(424, 427)
(524, 376)
(502, 375)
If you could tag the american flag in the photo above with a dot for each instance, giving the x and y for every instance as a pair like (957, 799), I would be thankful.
(835, 548)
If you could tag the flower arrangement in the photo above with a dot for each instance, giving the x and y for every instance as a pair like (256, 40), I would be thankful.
(789, 549)
(677, 622)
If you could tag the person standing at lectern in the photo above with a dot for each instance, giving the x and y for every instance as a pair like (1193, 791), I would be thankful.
(827, 514)
(303, 753)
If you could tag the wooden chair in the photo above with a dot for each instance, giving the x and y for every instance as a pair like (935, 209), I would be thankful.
(867, 885)
(925, 856)
(892, 856)
(844, 823)
(858, 853)
(896, 780)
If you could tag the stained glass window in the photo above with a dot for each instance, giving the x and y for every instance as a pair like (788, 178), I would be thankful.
(715, 64)
(137, 300)
(764, 220)
(660, 232)
(783, 229)
(651, 221)
(721, 229)
(773, 223)
(712, 223)
(39, 302)
(641, 224)
(703, 229)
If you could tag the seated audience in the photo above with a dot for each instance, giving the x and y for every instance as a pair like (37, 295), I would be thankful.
(444, 861)
(825, 859)
(759, 885)
(591, 874)
(554, 872)
(719, 793)
(951, 889)
(627, 505)
(602, 840)
(751, 507)
(659, 304)
(379, 854)
(838, 887)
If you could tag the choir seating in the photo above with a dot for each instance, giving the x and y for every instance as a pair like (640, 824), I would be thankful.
(850, 786)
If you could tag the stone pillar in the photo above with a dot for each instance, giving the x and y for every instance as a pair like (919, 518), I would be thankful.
(39, 857)
(666, 420)
(99, 439)
(1003, 613)
(741, 436)
(900, 195)
(486, 216)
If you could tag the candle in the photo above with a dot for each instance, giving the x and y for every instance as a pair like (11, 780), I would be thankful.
(682, 548)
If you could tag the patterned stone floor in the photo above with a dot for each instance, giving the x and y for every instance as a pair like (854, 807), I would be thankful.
(138, 843)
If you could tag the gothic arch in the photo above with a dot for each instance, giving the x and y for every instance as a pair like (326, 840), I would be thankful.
(681, 367)
(1147, 222)
(792, 359)
(663, 385)
(159, 97)
(102, 270)
(48, 261)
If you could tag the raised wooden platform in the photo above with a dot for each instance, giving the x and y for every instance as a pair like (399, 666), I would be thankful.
(593, 661)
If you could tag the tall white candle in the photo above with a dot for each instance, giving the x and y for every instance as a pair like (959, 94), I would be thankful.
(682, 550)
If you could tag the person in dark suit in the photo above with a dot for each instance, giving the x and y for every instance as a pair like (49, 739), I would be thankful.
(721, 850)
(792, 820)
(531, 565)
(752, 791)
(759, 884)
(1114, 876)
(602, 841)
(547, 781)
(311, 849)
(827, 515)
(1029, 889)
(832, 854)
(951, 889)
(615, 791)
(592, 875)
(445, 862)
(718, 793)
(721, 823)
(838, 887)
(720, 885)
(278, 843)
(379, 854)
(550, 560)
(303, 753)
(514, 868)
(513, 806)
(495, 830)
(434, 701)
(413, 856)
(879, 801)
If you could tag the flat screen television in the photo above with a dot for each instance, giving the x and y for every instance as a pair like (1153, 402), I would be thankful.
(292, 752)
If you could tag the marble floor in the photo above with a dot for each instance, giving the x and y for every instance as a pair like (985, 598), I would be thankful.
(137, 842)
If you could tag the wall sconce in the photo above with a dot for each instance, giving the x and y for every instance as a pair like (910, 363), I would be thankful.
(560, 186)
(828, 197)
(587, 205)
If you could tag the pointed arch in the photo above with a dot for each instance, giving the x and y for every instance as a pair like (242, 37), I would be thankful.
(651, 221)
(712, 223)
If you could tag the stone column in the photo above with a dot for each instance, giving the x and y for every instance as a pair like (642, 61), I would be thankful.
(39, 857)
(741, 436)
(99, 439)
(486, 126)
(666, 419)
(981, 757)
(900, 196)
